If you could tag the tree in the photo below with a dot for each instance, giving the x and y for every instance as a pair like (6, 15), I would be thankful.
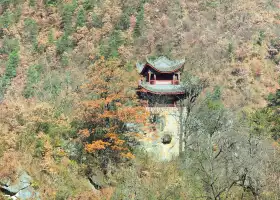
(10, 72)
(81, 18)
(193, 86)
(67, 14)
(220, 150)
(111, 104)
(274, 99)
(139, 21)
(31, 32)
(265, 121)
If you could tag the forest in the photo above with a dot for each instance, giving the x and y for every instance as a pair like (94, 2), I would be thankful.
(68, 93)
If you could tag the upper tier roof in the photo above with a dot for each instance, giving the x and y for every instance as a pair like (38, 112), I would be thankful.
(161, 64)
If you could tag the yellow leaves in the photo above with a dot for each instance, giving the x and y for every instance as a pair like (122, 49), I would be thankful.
(118, 148)
(118, 104)
(275, 144)
(84, 133)
(96, 145)
(114, 104)
(117, 142)
(111, 136)
(93, 104)
(133, 114)
(128, 155)
(107, 114)
(112, 128)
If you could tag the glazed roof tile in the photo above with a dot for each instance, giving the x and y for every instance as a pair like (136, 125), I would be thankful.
(162, 64)
(161, 89)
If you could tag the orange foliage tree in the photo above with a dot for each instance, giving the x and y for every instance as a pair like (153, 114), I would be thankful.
(112, 103)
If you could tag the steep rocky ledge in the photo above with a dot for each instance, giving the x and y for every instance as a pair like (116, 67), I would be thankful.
(21, 188)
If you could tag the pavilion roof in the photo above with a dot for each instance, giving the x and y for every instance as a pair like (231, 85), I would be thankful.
(162, 89)
(161, 64)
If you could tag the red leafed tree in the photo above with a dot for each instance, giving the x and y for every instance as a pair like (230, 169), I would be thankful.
(112, 102)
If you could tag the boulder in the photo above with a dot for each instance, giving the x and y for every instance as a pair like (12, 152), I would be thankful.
(27, 193)
(131, 127)
(166, 139)
(97, 179)
(23, 181)
(20, 188)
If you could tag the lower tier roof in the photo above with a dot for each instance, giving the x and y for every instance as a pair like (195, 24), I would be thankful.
(162, 89)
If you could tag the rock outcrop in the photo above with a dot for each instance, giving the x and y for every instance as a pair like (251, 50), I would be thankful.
(21, 188)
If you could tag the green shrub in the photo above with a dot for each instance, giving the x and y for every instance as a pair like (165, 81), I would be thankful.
(97, 21)
(124, 22)
(42, 127)
(33, 77)
(63, 44)
(51, 2)
(32, 3)
(129, 66)
(67, 13)
(31, 31)
(31, 28)
(9, 45)
(139, 21)
(6, 19)
(39, 148)
(274, 99)
(6, 3)
(261, 37)
(212, 4)
(110, 48)
(89, 4)
(65, 106)
(64, 60)
(115, 41)
(62, 195)
(230, 51)
(51, 37)
(52, 86)
(213, 99)
(276, 58)
(9, 17)
(81, 18)
(17, 13)
(12, 65)
(266, 121)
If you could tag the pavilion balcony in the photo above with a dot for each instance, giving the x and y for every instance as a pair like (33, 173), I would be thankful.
(161, 82)
(156, 88)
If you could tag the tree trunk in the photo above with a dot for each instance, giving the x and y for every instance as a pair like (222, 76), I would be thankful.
(181, 129)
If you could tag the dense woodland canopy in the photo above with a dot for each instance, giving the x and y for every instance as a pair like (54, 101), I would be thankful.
(68, 87)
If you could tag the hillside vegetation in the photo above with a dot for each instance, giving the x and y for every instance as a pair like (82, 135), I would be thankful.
(67, 89)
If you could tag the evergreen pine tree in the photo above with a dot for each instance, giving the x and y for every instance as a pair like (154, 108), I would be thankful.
(81, 18)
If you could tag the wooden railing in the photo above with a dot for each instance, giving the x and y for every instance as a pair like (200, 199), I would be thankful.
(175, 82)
(161, 109)
(162, 82)
(153, 82)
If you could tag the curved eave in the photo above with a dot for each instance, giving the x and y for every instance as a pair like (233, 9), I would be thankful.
(164, 72)
(145, 90)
